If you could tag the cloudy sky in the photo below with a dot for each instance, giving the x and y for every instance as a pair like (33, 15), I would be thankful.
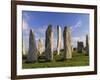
(39, 21)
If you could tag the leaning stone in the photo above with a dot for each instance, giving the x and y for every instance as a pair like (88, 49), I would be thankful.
(32, 52)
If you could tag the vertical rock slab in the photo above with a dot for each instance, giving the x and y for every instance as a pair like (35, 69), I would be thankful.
(80, 47)
(49, 43)
(67, 43)
(87, 44)
(32, 52)
(59, 40)
(40, 46)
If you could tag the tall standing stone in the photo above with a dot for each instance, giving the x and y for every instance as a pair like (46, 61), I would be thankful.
(40, 46)
(67, 43)
(49, 43)
(32, 52)
(59, 39)
(80, 47)
(87, 44)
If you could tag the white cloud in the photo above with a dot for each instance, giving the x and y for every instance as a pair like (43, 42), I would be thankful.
(27, 16)
(25, 29)
(40, 32)
(77, 25)
(25, 25)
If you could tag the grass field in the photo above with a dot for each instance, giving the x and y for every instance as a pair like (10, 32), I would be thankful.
(78, 59)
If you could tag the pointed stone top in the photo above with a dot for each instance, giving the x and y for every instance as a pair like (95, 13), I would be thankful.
(30, 30)
(58, 26)
(50, 27)
(67, 27)
(87, 35)
(40, 40)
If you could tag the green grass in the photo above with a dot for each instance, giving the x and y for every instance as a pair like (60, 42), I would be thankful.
(78, 59)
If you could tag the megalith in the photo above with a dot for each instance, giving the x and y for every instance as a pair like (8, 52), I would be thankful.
(67, 43)
(49, 43)
(32, 52)
(59, 39)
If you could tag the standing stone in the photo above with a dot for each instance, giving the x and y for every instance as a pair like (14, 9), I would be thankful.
(87, 44)
(80, 47)
(67, 43)
(32, 52)
(59, 40)
(49, 43)
(40, 46)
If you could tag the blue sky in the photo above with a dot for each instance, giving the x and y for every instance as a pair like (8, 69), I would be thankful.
(39, 21)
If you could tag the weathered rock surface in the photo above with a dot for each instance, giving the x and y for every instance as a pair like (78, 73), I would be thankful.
(87, 44)
(32, 52)
(59, 39)
(80, 47)
(49, 43)
(40, 46)
(67, 43)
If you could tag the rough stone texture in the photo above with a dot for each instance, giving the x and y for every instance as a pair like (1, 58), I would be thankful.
(59, 40)
(87, 45)
(49, 43)
(67, 43)
(80, 47)
(32, 52)
(40, 46)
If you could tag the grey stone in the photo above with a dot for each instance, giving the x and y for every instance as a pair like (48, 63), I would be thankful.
(67, 43)
(59, 39)
(49, 43)
(40, 46)
(87, 44)
(80, 47)
(32, 52)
